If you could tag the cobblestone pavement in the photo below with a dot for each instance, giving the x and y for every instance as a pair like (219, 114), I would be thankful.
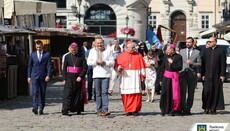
(16, 114)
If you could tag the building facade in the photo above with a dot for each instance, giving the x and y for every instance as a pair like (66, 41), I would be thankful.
(1, 11)
(106, 17)
(185, 17)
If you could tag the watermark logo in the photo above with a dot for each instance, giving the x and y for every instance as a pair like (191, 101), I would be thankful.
(210, 127)
(201, 127)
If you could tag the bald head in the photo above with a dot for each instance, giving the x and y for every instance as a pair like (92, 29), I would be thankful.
(130, 47)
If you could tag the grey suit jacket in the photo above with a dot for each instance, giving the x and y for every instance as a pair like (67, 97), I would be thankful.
(195, 58)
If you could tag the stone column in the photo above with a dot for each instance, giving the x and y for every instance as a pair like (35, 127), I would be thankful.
(138, 10)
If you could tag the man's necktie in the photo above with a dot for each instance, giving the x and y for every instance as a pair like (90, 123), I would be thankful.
(39, 56)
(189, 54)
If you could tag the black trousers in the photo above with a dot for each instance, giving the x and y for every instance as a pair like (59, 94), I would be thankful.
(157, 82)
(188, 82)
(142, 85)
(90, 84)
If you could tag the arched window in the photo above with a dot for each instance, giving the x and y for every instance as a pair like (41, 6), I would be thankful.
(101, 19)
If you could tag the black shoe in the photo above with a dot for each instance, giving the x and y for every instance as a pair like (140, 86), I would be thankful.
(72, 110)
(206, 111)
(188, 113)
(172, 113)
(162, 114)
(78, 113)
(64, 112)
(128, 114)
(90, 98)
(35, 111)
(136, 113)
(183, 113)
(41, 112)
(213, 112)
(178, 113)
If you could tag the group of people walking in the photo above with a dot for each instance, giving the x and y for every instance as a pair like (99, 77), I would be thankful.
(180, 73)
(171, 74)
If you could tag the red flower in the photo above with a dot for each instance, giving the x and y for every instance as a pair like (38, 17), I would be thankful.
(75, 27)
(128, 31)
(113, 34)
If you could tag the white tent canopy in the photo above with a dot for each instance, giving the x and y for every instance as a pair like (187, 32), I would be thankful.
(208, 32)
(28, 7)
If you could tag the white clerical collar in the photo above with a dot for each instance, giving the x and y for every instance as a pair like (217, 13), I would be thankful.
(214, 47)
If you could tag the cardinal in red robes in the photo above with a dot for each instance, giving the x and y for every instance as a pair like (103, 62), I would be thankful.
(131, 66)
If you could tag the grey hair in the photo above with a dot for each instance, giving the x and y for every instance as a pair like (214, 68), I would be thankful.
(129, 45)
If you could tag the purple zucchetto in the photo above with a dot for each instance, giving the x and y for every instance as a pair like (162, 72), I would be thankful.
(74, 44)
(172, 46)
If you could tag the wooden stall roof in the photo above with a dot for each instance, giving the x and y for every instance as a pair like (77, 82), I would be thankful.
(13, 30)
(45, 31)
(42, 31)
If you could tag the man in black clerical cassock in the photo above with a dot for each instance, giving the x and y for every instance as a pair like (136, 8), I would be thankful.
(74, 71)
(213, 74)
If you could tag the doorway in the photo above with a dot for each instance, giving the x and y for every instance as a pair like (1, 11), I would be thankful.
(178, 24)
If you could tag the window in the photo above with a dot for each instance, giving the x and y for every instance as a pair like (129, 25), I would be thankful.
(101, 19)
(60, 3)
(61, 20)
(152, 20)
(100, 12)
(204, 21)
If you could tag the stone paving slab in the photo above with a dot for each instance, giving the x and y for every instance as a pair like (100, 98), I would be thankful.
(16, 115)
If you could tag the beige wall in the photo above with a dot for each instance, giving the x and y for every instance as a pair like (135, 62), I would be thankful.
(205, 5)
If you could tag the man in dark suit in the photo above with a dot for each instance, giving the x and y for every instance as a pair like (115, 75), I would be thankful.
(39, 73)
(188, 75)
